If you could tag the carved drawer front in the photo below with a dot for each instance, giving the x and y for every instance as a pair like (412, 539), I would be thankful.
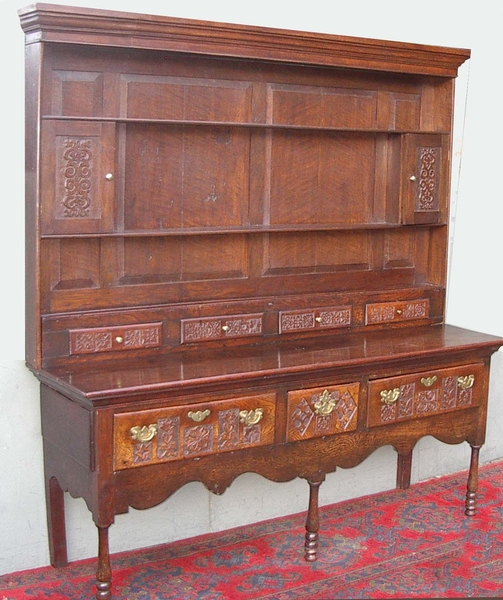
(316, 318)
(393, 312)
(429, 393)
(161, 435)
(322, 411)
(107, 339)
(214, 328)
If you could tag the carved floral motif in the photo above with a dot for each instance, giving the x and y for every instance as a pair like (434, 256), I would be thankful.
(94, 341)
(198, 440)
(142, 452)
(141, 337)
(77, 178)
(427, 191)
(228, 428)
(334, 318)
(297, 321)
(448, 399)
(427, 401)
(201, 330)
(168, 437)
(244, 326)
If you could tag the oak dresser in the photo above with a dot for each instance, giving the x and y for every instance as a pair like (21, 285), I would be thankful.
(236, 259)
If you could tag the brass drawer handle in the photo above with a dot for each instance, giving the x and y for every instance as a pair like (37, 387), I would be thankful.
(465, 382)
(251, 417)
(390, 396)
(429, 381)
(325, 405)
(143, 434)
(199, 415)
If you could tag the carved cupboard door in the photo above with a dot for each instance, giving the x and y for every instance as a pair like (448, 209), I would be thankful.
(424, 176)
(78, 181)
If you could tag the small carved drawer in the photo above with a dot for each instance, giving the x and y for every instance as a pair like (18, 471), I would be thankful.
(393, 312)
(214, 328)
(316, 318)
(109, 339)
(322, 411)
(433, 392)
(166, 434)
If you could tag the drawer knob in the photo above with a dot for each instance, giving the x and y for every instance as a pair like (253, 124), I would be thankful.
(465, 382)
(318, 319)
(429, 381)
(325, 405)
(390, 396)
(109, 176)
(199, 415)
(251, 417)
(119, 339)
(225, 328)
(143, 434)
(412, 178)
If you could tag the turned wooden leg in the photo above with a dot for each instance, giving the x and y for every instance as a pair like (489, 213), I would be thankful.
(312, 521)
(56, 528)
(403, 471)
(104, 572)
(473, 483)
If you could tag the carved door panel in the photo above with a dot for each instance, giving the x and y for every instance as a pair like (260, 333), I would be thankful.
(424, 178)
(78, 177)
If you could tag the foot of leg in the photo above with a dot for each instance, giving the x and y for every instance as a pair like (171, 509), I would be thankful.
(473, 483)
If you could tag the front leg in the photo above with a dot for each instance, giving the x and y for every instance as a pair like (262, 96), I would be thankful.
(104, 571)
(473, 483)
(313, 520)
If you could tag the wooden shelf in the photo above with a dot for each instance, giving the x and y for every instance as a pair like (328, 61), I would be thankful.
(237, 124)
(245, 230)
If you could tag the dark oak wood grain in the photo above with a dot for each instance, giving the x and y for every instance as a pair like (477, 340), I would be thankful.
(236, 259)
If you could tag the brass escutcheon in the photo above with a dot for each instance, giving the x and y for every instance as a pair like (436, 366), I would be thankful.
(428, 381)
(251, 417)
(199, 415)
(390, 396)
(465, 382)
(143, 434)
(325, 405)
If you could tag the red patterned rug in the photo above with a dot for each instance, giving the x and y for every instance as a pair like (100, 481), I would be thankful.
(401, 544)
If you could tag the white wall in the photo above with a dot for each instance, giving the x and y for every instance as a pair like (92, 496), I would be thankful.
(475, 276)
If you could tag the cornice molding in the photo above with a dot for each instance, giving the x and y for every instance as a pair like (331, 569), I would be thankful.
(74, 25)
